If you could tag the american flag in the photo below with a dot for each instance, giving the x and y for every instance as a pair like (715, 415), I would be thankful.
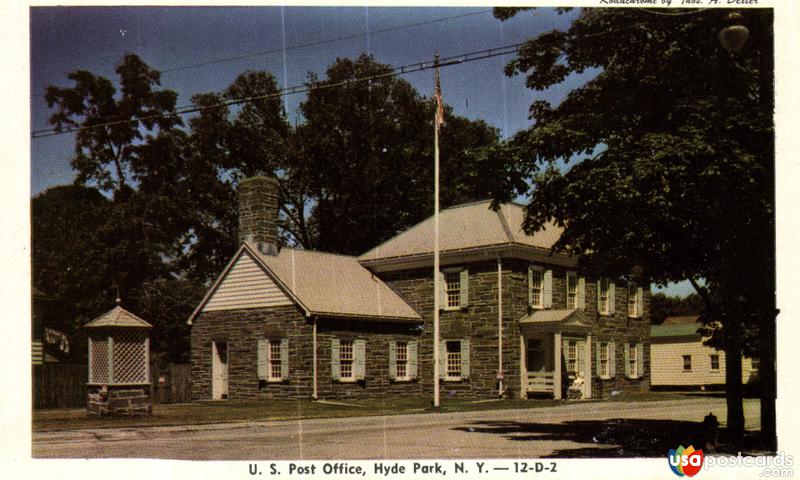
(437, 95)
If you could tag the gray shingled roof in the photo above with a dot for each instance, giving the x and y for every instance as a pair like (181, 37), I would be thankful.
(334, 285)
(463, 227)
(117, 317)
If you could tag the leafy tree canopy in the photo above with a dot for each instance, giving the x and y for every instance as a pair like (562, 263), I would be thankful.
(669, 152)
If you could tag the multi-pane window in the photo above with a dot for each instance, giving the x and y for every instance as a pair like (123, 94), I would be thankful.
(687, 362)
(572, 290)
(572, 357)
(537, 288)
(274, 359)
(603, 370)
(633, 364)
(346, 359)
(714, 361)
(402, 361)
(603, 296)
(453, 359)
(755, 363)
(453, 289)
(633, 301)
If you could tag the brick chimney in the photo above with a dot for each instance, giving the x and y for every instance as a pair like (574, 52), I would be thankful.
(258, 213)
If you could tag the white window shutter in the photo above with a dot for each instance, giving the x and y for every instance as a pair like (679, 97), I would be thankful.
(442, 358)
(627, 360)
(599, 304)
(263, 354)
(442, 292)
(285, 358)
(360, 359)
(335, 371)
(582, 293)
(464, 281)
(611, 297)
(548, 289)
(580, 346)
(597, 359)
(392, 359)
(530, 285)
(612, 359)
(639, 360)
(640, 302)
(412, 359)
(465, 358)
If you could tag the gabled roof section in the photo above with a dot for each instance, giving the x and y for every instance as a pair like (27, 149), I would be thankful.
(323, 284)
(681, 320)
(675, 330)
(333, 285)
(560, 317)
(118, 317)
(465, 227)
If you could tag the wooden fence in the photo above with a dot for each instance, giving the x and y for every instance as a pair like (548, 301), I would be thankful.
(60, 385)
(172, 383)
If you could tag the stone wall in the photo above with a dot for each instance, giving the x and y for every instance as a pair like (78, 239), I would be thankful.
(479, 322)
(119, 400)
(241, 329)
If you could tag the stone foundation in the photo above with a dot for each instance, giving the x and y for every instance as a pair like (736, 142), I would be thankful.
(120, 400)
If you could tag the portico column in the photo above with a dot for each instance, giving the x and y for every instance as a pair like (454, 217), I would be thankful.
(587, 385)
(557, 365)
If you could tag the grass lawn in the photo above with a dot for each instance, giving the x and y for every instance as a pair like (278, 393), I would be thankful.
(234, 411)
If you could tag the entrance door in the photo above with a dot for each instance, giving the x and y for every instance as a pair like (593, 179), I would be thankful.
(538, 358)
(219, 370)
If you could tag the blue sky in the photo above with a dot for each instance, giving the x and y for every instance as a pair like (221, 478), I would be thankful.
(172, 39)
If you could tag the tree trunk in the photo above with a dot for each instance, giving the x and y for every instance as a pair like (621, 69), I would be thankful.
(767, 341)
(733, 382)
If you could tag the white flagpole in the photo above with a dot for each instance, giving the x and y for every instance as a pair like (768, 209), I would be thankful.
(436, 286)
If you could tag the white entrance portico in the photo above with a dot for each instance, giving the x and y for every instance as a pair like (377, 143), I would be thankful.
(556, 347)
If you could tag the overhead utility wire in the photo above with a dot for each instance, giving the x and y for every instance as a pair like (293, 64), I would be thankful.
(315, 44)
(323, 42)
(402, 70)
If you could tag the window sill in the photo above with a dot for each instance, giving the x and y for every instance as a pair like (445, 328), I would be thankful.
(346, 380)
(453, 379)
(402, 380)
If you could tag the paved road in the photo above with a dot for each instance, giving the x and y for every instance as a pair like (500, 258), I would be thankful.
(579, 429)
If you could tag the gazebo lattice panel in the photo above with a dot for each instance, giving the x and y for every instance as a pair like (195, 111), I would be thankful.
(130, 357)
(99, 365)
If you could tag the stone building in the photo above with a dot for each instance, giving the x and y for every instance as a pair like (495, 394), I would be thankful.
(516, 319)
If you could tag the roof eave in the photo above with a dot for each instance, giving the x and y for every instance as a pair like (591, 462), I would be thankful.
(365, 317)
(511, 249)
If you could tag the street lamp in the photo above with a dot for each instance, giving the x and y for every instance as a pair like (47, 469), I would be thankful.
(734, 36)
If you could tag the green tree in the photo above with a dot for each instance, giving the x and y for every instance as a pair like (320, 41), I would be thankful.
(364, 154)
(663, 306)
(111, 125)
(669, 151)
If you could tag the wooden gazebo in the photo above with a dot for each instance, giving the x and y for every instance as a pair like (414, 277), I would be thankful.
(119, 364)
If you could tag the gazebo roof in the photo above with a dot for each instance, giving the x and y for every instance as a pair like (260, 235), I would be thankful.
(118, 317)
